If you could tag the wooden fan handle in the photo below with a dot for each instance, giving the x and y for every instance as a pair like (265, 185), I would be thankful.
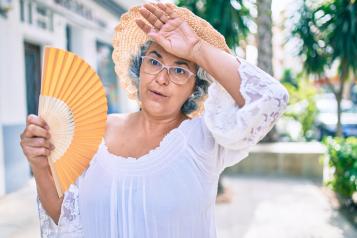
(55, 178)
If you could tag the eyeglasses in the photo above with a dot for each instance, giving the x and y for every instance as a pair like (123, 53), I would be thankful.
(177, 75)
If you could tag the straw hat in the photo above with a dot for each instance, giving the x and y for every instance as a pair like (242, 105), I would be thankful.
(129, 37)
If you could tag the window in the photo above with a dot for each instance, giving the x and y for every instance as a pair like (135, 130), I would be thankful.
(69, 38)
(35, 14)
(22, 11)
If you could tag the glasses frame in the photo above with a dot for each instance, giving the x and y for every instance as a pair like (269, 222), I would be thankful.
(168, 67)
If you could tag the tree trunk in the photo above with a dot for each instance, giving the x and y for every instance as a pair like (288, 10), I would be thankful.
(339, 96)
(265, 36)
(339, 112)
(265, 48)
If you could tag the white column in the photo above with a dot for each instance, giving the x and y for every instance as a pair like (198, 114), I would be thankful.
(12, 84)
(84, 45)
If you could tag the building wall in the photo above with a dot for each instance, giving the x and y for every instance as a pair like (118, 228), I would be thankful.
(86, 32)
(2, 162)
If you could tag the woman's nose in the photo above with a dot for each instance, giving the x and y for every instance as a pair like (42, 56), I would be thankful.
(163, 77)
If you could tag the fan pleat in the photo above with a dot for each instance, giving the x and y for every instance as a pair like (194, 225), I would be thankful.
(95, 105)
(65, 71)
(84, 117)
(87, 96)
(82, 82)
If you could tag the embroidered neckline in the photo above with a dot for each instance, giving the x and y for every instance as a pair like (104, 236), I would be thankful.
(154, 160)
(153, 150)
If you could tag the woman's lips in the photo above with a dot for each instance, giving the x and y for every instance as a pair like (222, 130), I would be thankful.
(157, 95)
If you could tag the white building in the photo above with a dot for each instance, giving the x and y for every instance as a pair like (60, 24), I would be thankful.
(84, 27)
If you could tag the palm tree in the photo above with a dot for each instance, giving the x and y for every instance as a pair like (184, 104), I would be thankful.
(328, 33)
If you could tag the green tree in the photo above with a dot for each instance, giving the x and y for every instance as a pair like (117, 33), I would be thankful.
(230, 17)
(328, 34)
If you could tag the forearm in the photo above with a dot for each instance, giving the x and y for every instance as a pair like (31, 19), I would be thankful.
(47, 193)
(222, 66)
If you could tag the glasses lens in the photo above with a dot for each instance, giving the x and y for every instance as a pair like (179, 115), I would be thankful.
(179, 75)
(151, 65)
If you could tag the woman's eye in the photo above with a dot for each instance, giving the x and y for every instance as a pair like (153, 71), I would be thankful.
(154, 62)
(180, 71)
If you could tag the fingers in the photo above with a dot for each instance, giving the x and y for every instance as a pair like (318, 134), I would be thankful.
(33, 119)
(168, 9)
(33, 130)
(143, 26)
(36, 127)
(158, 12)
(33, 152)
(37, 142)
(150, 17)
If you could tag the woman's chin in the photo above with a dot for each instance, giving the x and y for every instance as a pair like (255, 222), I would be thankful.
(155, 108)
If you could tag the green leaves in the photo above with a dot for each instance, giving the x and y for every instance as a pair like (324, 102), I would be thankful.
(313, 47)
(343, 159)
(230, 17)
(328, 33)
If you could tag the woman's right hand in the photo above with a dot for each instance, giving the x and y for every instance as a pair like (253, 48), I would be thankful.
(35, 142)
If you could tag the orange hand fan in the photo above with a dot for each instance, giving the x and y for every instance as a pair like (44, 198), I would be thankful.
(74, 105)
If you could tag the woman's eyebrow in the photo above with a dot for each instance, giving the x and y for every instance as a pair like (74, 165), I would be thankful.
(178, 62)
(155, 53)
(181, 62)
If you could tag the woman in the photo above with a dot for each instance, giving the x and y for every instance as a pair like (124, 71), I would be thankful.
(156, 172)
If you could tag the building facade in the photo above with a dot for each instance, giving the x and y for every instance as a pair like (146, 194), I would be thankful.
(84, 27)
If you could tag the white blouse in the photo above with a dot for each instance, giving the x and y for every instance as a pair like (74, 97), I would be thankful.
(171, 191)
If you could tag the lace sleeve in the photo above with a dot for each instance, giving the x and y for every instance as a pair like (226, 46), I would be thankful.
(69, 222)
(237, 129)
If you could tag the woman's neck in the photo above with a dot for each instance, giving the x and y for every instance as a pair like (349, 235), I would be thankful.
(152, 125)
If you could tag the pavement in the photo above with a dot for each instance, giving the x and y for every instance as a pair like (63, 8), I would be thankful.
(268, 207)
(263, 207)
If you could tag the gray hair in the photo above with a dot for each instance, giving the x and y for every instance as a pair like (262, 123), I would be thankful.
(203, 80)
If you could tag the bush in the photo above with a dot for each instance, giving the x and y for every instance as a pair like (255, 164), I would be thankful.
(343, 161)
(301, 91)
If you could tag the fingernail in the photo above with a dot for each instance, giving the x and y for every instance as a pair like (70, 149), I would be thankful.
(52, 147)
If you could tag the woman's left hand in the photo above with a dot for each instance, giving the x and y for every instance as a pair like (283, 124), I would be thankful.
(169, 30)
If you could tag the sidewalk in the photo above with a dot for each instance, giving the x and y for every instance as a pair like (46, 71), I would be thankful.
(264, 207)
(261, 207)
(18, 214)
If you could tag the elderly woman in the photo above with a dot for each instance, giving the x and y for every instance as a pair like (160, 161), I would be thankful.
(155, 174)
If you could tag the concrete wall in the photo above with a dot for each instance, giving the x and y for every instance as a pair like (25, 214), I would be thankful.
(283, 159)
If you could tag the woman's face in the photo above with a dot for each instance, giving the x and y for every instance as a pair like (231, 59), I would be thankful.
(158, 95)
